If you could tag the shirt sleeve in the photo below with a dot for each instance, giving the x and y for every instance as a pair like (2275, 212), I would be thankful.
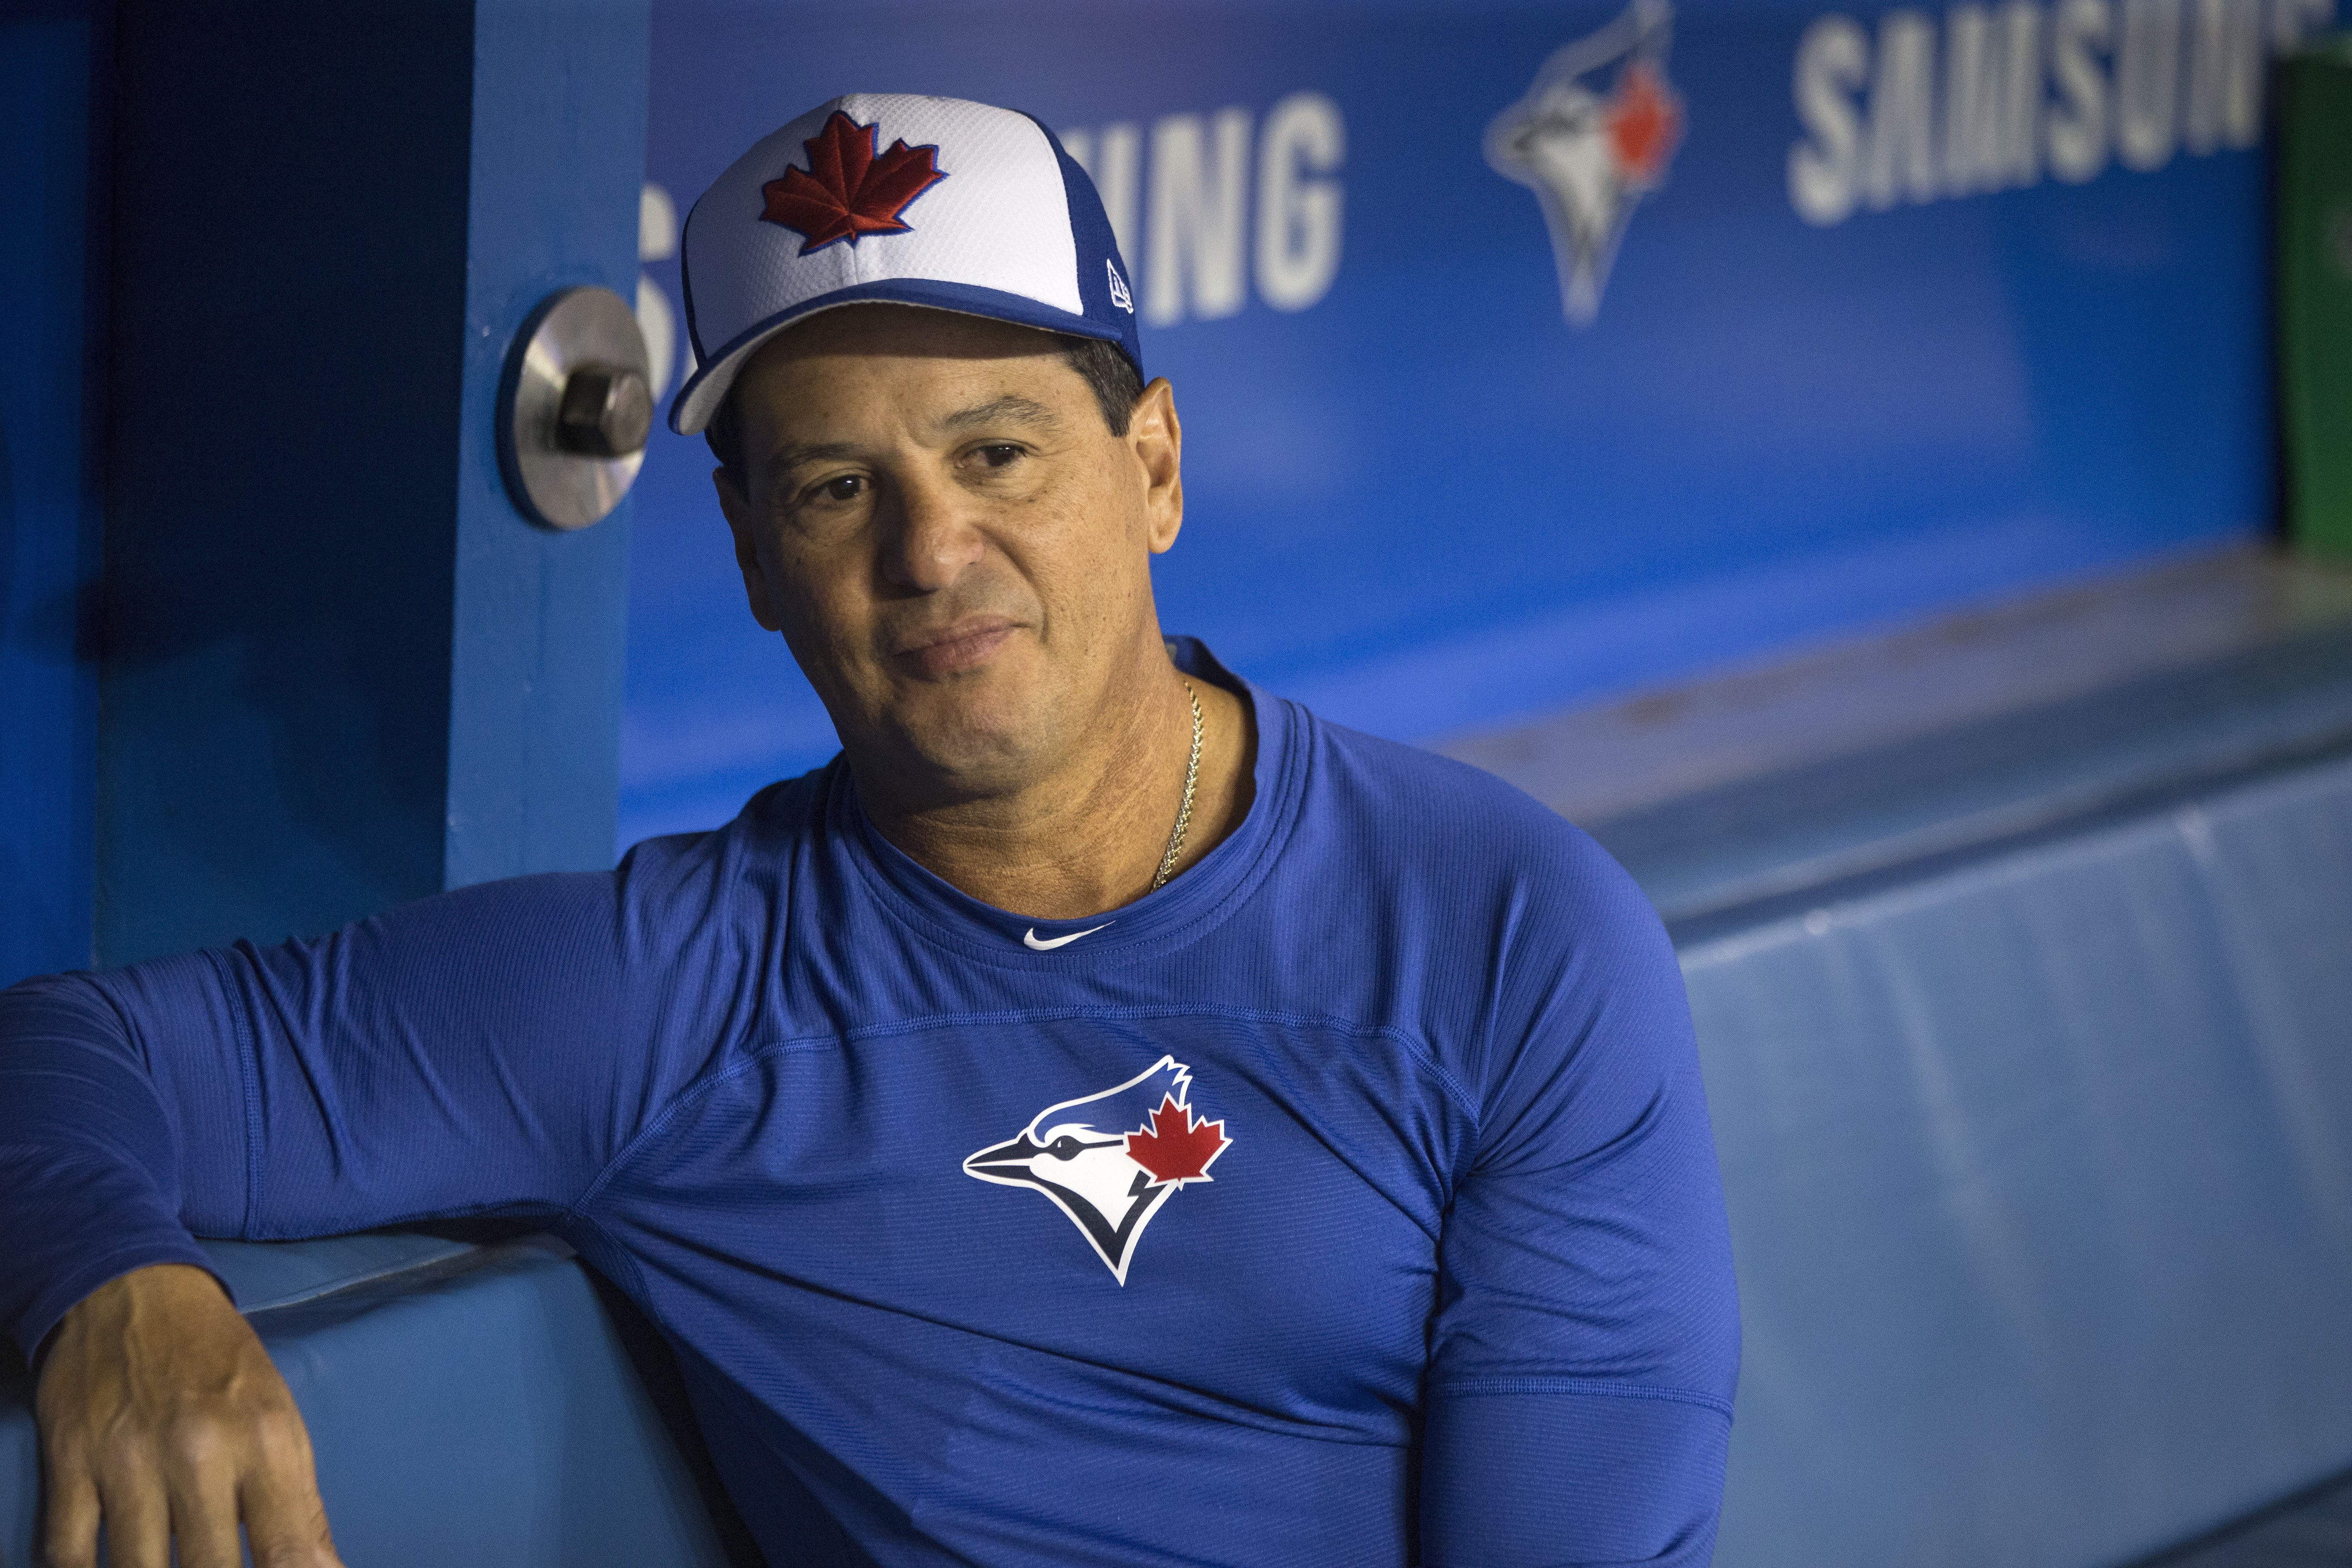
(485, 1052)
(1587, 1337)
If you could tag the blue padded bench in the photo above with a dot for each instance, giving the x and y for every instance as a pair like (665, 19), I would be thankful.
(2029, 1041)
(2029, 1045)
(2041, 1184)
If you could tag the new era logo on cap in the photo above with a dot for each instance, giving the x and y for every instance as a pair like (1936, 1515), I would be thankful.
(897, 198)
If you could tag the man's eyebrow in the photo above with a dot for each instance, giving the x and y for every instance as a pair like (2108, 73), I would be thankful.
(1012, 409)
(1009, 410)
(784, 459)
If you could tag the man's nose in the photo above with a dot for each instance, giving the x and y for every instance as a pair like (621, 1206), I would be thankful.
(934, 535)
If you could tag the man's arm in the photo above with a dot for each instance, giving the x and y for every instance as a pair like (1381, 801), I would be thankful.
(158, 1408)
(471, 1054)
(1587, 1339)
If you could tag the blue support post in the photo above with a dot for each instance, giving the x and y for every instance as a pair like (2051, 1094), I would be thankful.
(559, 158)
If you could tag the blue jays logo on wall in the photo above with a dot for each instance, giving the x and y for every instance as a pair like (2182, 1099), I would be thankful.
(1591, 155)
(1111, 1160)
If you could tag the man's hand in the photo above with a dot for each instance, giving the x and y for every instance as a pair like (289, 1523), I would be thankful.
(160, 1412)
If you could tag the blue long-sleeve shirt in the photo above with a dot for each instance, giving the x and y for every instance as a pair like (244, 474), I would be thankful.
(1350, 1200)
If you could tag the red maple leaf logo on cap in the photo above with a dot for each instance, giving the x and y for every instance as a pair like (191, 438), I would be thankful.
(1177, 1148)
(1644, 121)
(849, 190)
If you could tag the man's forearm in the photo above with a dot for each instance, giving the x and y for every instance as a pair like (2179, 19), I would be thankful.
(88, 1189)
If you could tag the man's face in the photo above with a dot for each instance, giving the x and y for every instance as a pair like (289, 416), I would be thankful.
(955, 547)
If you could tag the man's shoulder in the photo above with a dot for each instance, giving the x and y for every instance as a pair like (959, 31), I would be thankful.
(777, 818)
(1454, 861)
(1497, 930)
(1416, 808)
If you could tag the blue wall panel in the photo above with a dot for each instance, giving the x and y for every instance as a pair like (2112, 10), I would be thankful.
(49, 523)
(1425, 498)
(288, 290)
(340, 670)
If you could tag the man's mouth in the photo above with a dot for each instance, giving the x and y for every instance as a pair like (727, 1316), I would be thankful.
(960, 646)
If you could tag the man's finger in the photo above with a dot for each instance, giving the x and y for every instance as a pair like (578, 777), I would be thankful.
(138, 1520)
(285, 1521)
(203, 1498)
(69, 1523)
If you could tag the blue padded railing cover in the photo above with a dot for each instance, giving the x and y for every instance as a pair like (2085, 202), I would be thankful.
(267, 1275)
(1713, 859)
(2039, 1174)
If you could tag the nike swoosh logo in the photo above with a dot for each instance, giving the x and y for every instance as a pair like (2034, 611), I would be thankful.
(1030, 939)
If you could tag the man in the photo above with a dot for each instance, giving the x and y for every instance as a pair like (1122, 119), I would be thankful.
(1106, 1115)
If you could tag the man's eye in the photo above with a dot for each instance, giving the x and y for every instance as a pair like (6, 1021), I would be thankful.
(997, 456)
(849, 486)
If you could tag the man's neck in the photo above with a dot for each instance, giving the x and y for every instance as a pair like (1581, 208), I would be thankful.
(1090, 837)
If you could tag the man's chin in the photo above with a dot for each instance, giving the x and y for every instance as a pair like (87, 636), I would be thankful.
(980, 734)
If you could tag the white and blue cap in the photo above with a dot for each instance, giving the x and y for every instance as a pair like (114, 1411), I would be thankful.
(907, 200)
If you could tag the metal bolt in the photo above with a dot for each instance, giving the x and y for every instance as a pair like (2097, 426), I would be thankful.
(605, 412)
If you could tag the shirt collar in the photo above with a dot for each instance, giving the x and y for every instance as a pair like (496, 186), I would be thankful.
(1175, 914)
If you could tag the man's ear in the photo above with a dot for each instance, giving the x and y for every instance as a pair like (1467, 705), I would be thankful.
(1157, 438)
(738, 508)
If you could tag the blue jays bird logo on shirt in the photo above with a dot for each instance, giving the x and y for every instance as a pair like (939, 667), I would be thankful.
(1109, 1160)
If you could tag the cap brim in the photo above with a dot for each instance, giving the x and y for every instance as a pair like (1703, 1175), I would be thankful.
(698, 401)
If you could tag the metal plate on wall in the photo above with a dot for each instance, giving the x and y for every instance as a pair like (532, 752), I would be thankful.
(575, 408)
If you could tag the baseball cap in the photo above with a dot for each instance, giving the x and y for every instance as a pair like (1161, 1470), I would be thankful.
(913, 201)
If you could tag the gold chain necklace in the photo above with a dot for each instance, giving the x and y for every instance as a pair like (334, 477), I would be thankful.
(1183, 812)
